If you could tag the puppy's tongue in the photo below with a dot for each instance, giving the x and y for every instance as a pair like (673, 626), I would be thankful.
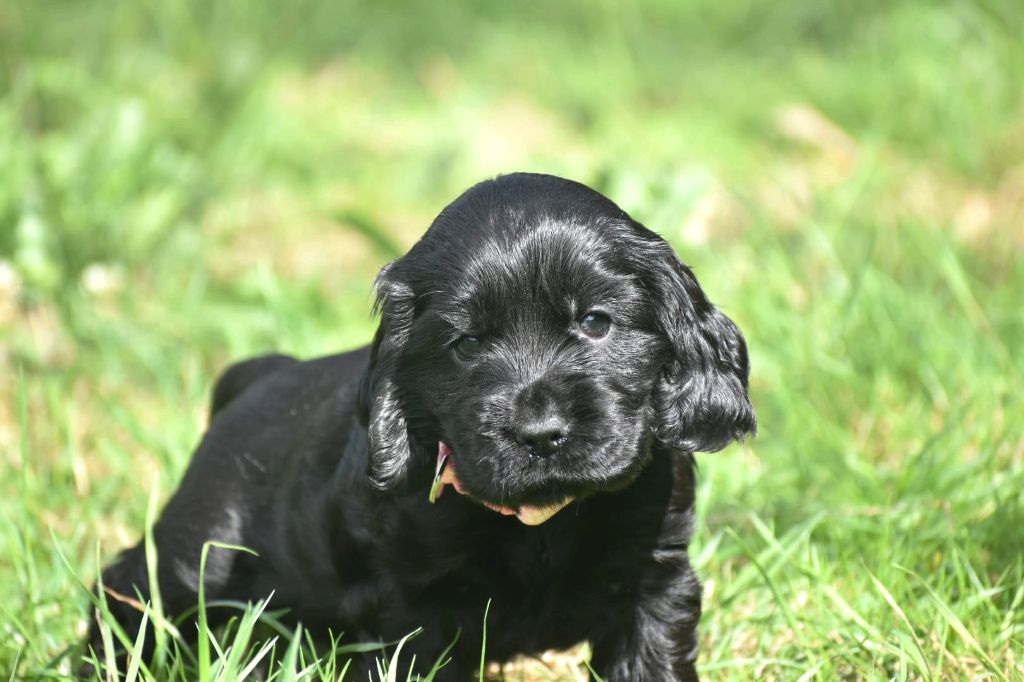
(444, 474)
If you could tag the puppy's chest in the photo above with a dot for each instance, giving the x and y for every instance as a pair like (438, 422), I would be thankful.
(546, 591)
(534, 559)
(540, 572)
(528, 565)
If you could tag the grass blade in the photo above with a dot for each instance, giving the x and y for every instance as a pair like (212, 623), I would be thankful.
(136, 657)
(917, 650)
(160, 623)
(483, 644)
(205, 636)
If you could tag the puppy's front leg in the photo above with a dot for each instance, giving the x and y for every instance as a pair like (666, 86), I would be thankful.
(658, 641)
(650, 652)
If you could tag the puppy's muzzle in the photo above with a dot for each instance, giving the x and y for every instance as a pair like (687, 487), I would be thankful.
(540, 425)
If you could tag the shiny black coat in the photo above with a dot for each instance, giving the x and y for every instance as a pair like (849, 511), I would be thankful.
(323, 467)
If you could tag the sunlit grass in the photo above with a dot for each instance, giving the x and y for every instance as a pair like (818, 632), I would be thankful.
(189, 183)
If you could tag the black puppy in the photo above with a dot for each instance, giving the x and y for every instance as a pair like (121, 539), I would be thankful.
(541, 353)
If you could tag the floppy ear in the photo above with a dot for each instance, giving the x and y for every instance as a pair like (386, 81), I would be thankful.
(701, 400)
(379, 406)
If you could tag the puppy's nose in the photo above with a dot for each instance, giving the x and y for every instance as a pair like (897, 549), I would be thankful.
(542, 437)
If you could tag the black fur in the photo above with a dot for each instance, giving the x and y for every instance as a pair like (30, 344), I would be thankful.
(323, 467)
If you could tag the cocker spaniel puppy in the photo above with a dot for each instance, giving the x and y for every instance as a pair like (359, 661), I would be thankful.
(521, 431)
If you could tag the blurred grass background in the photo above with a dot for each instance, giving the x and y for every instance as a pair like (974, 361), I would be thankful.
(186, 183)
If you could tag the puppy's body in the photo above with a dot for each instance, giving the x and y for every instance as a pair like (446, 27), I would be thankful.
(594, 367)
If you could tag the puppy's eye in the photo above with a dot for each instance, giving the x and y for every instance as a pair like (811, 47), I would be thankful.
(467, 347)
(595, 325)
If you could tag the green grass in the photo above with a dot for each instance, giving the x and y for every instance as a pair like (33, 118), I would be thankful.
(187, 183)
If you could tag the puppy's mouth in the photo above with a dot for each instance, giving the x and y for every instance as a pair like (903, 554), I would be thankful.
(444, 474)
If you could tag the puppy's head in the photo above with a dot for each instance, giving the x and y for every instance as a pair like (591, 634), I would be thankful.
(549, 341)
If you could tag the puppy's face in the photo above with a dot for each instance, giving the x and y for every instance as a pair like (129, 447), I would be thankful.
(548, 341)
(536, 364)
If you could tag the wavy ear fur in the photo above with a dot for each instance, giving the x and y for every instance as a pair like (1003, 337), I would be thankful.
(701, 401)
(379, 406)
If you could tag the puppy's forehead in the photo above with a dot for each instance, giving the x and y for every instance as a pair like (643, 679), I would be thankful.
(551, 265)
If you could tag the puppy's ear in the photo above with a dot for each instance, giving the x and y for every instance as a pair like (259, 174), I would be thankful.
(379, 405)
(701, 400)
